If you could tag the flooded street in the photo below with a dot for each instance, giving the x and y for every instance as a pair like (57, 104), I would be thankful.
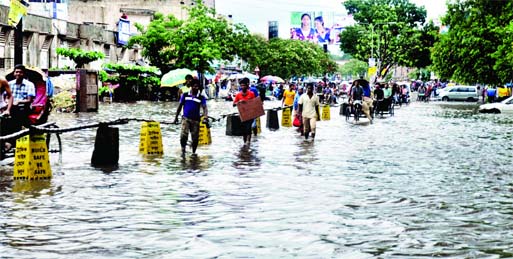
(435, 180)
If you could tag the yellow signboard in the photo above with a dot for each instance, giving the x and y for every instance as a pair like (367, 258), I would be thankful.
(205, 138)
(16, 11)
(326, 112)
(150, 142)
(372, 71)
(31, 161)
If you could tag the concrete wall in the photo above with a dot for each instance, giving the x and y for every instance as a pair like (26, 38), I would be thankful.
(42, 36)
(90, 25)
(108, 12)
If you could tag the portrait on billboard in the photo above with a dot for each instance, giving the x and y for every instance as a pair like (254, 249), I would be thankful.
(305, 31)
(322, 34)
(319, 27)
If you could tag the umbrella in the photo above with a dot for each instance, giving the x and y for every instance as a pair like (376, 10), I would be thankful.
(175, 77)
(362, 82)
(33, 74)
(243, 75)
(272, 79)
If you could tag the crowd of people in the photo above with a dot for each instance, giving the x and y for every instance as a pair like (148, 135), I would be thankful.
(304, 100)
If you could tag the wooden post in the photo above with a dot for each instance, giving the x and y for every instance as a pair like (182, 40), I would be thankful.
(87, 91)
(18, 43)
(106, 146)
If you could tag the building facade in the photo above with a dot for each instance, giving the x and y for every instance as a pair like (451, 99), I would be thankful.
(88, 25)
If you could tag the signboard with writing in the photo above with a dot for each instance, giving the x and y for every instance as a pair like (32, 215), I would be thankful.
(204, 134)
(151, 139)
(286, 120)
(31, 161)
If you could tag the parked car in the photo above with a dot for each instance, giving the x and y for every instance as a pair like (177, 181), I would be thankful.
(459, 93)
(505, 106)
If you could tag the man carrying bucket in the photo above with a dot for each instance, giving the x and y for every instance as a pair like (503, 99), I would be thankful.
(191, 103)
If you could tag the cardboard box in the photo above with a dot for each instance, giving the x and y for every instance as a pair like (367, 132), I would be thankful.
(250, 109)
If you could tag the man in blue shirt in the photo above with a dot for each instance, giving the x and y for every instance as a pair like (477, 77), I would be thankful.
(191, 103)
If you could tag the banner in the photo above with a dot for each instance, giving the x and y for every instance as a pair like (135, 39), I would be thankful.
(123, 31)
(319, 27)
(16, 12)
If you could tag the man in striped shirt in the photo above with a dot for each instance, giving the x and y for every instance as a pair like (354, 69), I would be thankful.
(23, 93)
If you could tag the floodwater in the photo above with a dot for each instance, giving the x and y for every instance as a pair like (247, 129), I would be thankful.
(435, 180)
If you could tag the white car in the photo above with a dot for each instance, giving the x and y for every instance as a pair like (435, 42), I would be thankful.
(505, 106)
(459, 93)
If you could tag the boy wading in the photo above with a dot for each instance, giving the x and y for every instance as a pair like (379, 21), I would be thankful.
(191, 103)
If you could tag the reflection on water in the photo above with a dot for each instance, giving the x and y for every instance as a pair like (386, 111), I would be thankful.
(433, 181)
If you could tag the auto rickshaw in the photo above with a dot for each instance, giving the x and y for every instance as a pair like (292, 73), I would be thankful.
(35, 113)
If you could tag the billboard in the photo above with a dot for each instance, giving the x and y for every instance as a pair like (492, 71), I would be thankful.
(319, 27)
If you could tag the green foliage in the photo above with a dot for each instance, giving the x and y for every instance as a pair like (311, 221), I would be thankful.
(353, 68)
(420, 74)
(169, 43)
(80, 57)
(131, 69)
(102, 90)
(287, 58)
(394, 32)
(128, 75)
(103, 76)
(477, 47)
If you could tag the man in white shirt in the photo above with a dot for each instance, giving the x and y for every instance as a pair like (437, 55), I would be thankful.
(309, 109)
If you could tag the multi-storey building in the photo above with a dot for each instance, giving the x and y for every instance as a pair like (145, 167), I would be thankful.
(85, 24)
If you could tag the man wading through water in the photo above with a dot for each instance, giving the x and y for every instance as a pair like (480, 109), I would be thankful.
(191, 102)
(309, 109)
(244, 95)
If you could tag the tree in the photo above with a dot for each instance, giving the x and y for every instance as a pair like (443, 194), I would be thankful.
(156, 41)
(80, 57)
(287, 58)
(353, 68)
(391, 31)
(477, 47)
(194, 43)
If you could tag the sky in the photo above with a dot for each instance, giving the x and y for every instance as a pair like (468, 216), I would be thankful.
(255, 14)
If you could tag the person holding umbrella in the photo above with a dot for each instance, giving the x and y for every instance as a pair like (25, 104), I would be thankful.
(191, 103)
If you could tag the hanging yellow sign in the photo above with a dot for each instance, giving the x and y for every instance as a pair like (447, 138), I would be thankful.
(16, 11)
(31, 161)
(259, 126)
(326, 112)
(371, 71)
(151, 139)
(286, 120)
(204, 134)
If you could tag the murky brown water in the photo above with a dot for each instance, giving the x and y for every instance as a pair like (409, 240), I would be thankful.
(433, 181)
